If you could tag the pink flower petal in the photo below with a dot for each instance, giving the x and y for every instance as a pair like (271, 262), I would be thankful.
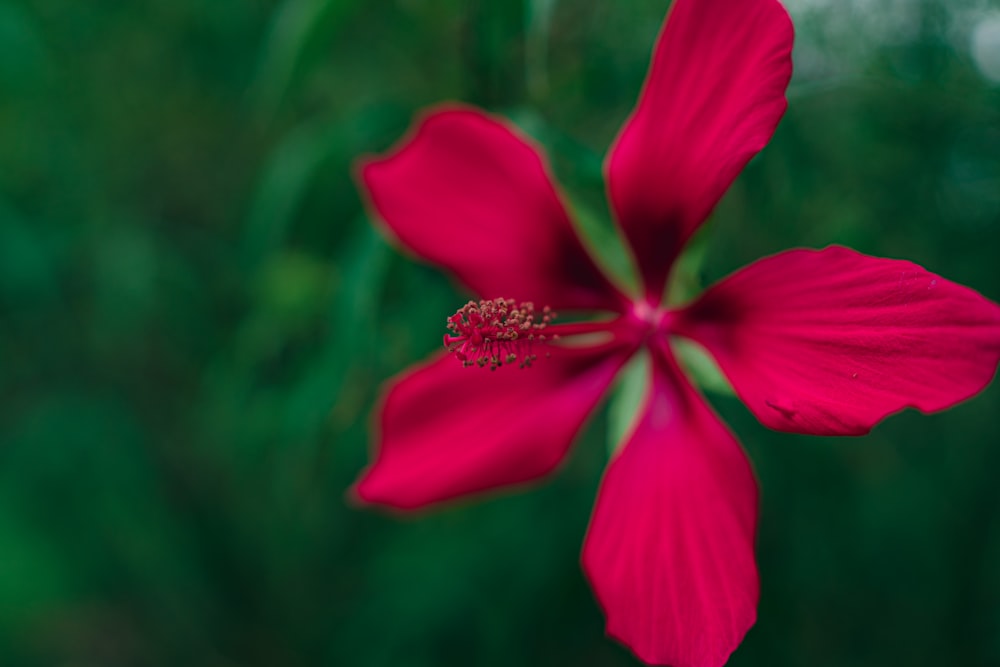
(831, 341)
(714, 94)
(448, 431)
(670, 548)
(468, 192)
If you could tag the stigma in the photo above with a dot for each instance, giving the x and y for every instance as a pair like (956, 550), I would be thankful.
(496, 332)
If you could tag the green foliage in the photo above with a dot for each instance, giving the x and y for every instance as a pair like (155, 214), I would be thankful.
(196, 316)
(628, 398)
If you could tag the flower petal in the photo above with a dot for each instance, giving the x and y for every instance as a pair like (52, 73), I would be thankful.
(447, 431)
(670, 548)
(831, 341)
(467, 192)
(713, 96)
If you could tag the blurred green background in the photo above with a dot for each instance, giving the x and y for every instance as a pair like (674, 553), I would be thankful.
(195, 317)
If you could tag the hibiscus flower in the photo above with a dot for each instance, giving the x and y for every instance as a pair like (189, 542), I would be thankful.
(824, 342)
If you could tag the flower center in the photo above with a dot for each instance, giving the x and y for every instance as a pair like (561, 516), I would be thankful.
(651, 320)
(496, 332)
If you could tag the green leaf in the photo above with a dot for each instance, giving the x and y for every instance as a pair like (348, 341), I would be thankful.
(686, 278)
(538, 26)
(605, 244)
(701, 367)
(283, 185)
(627, 399)
(352, 311)
(23, 55)
(293, 25)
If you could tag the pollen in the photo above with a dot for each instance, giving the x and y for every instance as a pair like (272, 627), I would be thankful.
(496, 332)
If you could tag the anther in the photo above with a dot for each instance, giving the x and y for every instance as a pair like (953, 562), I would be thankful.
(495, 332)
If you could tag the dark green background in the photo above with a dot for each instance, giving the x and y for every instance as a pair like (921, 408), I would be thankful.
(195, 317)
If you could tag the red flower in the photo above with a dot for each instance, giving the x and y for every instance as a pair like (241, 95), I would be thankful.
(822, 342)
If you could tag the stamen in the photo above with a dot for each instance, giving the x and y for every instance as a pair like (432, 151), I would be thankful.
(497, 332)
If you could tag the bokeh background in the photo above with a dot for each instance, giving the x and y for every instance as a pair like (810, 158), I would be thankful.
(196, 315)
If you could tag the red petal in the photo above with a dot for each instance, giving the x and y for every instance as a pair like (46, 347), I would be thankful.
(448, 431)
(831, 341)
(713, 96)
(670, 549)
(467, 192)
